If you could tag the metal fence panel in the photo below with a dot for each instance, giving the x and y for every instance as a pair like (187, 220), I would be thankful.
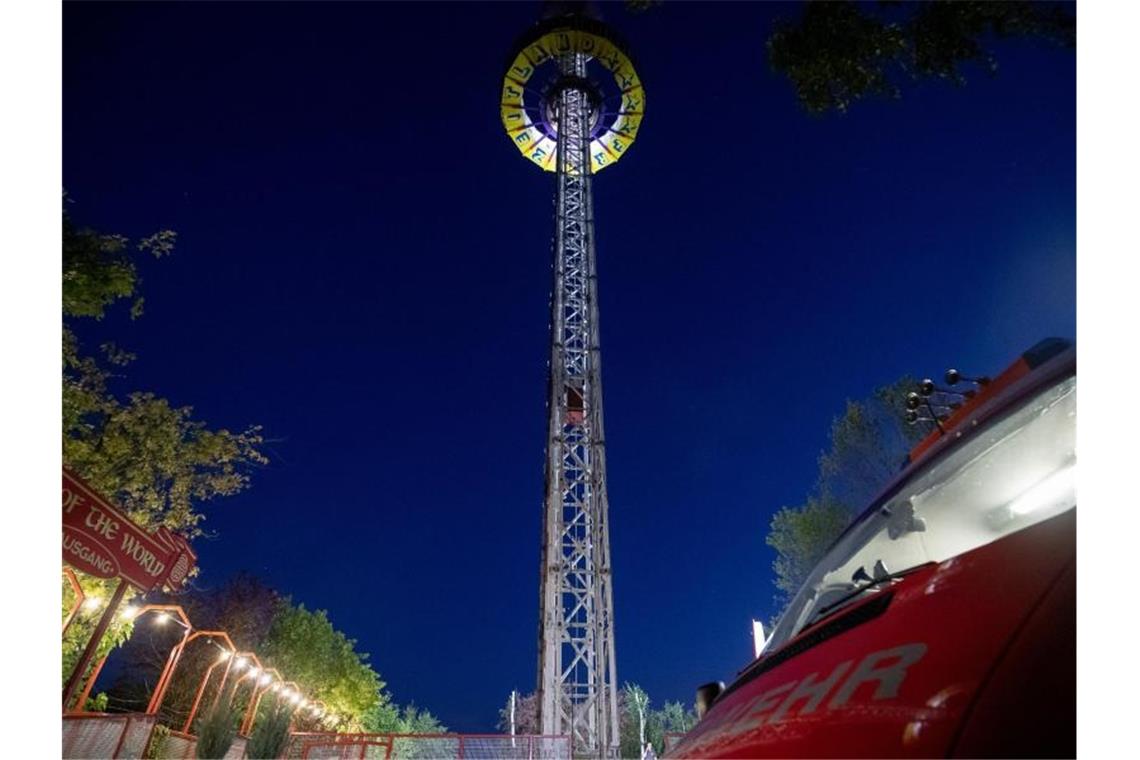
(237, 749)
(177, 746)
(86, 736)
(136, 736)
(425, 747)
(332, 746)
(497, 747)
(328, 746)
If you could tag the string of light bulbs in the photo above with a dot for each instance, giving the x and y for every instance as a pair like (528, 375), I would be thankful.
(261, 676)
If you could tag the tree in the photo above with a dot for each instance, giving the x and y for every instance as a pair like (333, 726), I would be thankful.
(800, 536)
(145, 454)
(639, 724)
(270, 734)
(637, 705)
(868, 445)
(526, 715)
(386, 717)
(305, 645)
(217, 728)
(676, 718)
(383, 717)
(302, 645)
(840, 52)
(415, 720)
(150, 457)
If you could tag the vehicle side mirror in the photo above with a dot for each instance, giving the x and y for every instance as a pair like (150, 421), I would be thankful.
(706, 695)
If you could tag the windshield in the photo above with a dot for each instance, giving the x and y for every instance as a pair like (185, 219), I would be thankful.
(1017, 472)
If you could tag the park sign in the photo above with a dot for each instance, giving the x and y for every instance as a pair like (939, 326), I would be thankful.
(98, 539)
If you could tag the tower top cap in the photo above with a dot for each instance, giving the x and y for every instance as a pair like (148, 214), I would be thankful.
(533, 73)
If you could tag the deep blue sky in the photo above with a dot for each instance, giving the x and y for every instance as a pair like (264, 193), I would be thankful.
(363, 268)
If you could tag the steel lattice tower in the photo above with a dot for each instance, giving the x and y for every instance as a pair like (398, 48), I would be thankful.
(572, 103)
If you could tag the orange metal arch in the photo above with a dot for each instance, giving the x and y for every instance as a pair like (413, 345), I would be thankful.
(227, 658)
(80, 597)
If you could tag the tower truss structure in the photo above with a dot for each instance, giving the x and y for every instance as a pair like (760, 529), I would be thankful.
(572, 103)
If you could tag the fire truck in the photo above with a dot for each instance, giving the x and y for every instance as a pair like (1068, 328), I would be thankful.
(942, 622)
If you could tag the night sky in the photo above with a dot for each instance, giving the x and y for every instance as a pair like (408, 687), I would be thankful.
(363, 268)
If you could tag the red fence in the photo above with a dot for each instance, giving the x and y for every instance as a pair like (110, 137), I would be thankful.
(88, 735)
(126, 736)
(176, 745)
(330, 746)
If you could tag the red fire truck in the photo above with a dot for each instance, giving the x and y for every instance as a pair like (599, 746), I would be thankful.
(942, 622)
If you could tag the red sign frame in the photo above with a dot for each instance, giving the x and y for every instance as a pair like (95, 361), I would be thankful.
(98, 539)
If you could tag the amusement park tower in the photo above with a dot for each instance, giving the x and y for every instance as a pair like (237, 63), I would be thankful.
(572, 103)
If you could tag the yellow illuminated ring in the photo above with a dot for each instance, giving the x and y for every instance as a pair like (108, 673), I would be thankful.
(615, 134)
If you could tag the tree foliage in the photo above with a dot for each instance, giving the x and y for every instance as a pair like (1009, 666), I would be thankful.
(270, 733)
(302, 645)
(150, 457)
(217, 728)
(387, 717)
(635, 724)
(641, 6)
(305, 645)
(634, 706)
(147, 455)
(867, 445)
(99, 269)
(800, 535)
(840, 52)
(526, 715)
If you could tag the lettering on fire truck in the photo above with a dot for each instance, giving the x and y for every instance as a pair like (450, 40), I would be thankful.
(886, 669)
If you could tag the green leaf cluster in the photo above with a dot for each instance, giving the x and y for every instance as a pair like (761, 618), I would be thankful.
(867, 445)
(800, 535)
(99, 269)
(150, 457)
(217, 728)
(306, 648)
(526, 715)
(634, 706)
(387, 717)
(840, 52)
(302, 645)
(270, 733)
(83, 625)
